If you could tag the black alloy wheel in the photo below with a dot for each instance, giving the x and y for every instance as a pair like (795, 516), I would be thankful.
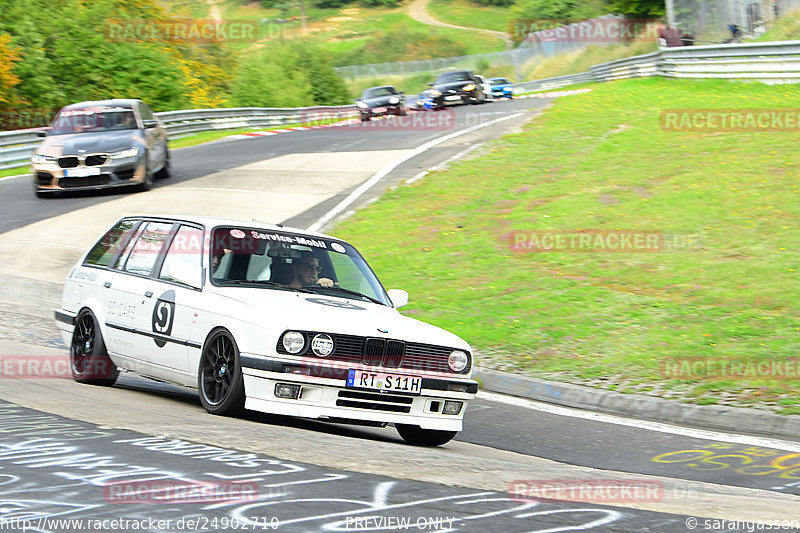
(220, 380)
(88, 359)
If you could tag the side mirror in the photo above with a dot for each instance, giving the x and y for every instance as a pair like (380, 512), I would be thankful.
(150, 123)
(430, 84)
(399, 297)
(41, 134)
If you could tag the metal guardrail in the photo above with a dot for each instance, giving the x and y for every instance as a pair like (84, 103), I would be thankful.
(16, 147)
(772, 62)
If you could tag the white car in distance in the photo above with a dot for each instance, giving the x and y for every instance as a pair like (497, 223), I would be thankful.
(261, 317)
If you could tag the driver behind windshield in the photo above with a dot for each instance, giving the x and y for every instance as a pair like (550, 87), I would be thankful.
(306, 272)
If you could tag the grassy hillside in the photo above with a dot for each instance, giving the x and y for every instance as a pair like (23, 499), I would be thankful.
(471, 14)
(723, 287)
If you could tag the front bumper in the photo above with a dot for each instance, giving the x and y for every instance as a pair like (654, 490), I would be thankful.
(324, 394)
(49, 177)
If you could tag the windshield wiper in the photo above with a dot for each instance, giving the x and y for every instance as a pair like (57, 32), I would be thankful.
(263, 282)
(317, 288)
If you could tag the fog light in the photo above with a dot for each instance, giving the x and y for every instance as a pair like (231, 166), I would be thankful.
(452, 408)
(292, 392)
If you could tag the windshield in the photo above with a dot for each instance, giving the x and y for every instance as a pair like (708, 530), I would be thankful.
(250, 257)
(93, 119)
(450, 77)
(376, 92)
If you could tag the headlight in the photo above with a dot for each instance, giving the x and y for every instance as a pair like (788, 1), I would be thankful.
(38, 159)
(123, 154)
(294, 341)
(322, 345)
(469, 87)
(362, 105)
(394, 100)
(458, 360)
(434, 93)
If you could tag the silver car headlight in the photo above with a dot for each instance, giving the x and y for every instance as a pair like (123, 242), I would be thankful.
(434, 93)
(294, 341)
(124, 154)
(394, 100)
(38, 159)
(362, 105)
(458, 360)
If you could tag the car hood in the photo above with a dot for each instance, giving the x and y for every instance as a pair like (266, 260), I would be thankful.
(316, 312)
(452, 85)
(89, 143)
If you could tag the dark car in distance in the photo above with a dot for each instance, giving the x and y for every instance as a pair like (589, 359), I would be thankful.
(456, 87)
(382, 100)
(101, 144)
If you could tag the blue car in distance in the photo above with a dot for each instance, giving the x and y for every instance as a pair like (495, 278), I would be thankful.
(501, 88)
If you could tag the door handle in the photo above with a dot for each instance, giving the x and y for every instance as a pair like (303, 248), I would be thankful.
(107, 284)
(149, 294)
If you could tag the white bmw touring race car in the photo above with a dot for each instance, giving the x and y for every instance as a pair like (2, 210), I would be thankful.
(261, 317)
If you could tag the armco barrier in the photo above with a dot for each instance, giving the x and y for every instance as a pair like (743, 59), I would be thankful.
(17, 146)
(769, 62)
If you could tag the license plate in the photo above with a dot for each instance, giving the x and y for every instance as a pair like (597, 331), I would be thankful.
(380, 381)
(379, 110)
(456, 97)
(81, 172)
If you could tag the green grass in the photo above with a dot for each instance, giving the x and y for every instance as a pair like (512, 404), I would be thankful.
(340, 30)
(4, 173)
(601, 161)
(786, 28)
(471, 14)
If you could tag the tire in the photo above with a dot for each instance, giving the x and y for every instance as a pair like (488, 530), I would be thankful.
(365, 118)
(403, 111)
(417, 436)
(219, 377)
(166, 170)
(88, 359)
(147, 184)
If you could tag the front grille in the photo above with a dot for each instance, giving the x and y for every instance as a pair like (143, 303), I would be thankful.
(88, 181)
(389, 353)
(373, 352)
(44, 178)
(96, 160)
(374, 402)
(68, 162)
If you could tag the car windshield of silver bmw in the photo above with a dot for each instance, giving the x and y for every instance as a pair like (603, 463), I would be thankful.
(257, 257)
(93, 119)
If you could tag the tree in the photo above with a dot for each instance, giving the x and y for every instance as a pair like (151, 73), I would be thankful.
(638, 8)
(8, 80)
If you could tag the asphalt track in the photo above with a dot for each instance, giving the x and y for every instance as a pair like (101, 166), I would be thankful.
(333, 475)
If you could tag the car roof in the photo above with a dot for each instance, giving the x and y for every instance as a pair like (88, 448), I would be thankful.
(116, 102)
(379, 87)
(209, 222)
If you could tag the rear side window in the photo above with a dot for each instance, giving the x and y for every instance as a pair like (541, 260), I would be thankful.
(142, 258)
(108, 246)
